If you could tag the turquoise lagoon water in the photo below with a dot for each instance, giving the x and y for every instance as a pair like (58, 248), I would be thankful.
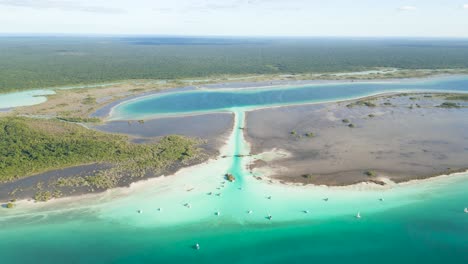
(38, 96)
(415, 222)
(24, 98)
(209, 100)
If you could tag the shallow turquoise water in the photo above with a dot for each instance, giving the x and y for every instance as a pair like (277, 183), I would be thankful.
(33, 97)
(24, 98)
(417, 222)
(225, 99)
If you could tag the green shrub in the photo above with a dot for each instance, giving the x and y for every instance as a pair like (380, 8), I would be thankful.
(29, 146)
(449, 105)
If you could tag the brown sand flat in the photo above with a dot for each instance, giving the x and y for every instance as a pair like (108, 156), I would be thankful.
(212, 128)
(406, 138)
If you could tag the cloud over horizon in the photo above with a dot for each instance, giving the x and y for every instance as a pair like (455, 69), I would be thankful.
(61, 5)
(407, 8)
(237, 17)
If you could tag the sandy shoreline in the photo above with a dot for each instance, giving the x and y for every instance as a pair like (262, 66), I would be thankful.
(256, 150)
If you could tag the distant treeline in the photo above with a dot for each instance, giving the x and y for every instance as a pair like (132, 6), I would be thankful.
(34, 62)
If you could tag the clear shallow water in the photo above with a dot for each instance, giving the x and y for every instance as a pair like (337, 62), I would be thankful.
(421, 222)
(225, 99)
(38, 96)
(25, 98)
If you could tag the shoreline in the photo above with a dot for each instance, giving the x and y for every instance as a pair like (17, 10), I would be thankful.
(249, 109)
(135, 186)
(109, 110)
(266, 179)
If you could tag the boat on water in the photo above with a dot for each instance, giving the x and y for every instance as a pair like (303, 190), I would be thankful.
(140, 211)
(269, 217)
(466, 210)
(358, 215)
(250, 211)
(197, 246)
(230, 177)
(218, 213)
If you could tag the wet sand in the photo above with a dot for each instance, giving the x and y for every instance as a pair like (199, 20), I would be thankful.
(212, 128)
(26, 187)
(407, 138)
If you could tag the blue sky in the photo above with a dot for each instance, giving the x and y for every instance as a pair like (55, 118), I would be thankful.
(372, 18)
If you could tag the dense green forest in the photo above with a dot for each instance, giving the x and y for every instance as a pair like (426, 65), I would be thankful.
(35, 62)
(29, 146)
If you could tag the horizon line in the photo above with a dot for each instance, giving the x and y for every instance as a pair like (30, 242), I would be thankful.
(110, 35)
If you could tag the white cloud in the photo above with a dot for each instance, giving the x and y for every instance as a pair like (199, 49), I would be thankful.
(407, 8)
(61, 5)
(465, 6)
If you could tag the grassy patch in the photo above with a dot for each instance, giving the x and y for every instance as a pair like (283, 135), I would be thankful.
(460, 97)
(30, 146)
(362, 103)
(449, 105)
(89, 100)
(80, 119)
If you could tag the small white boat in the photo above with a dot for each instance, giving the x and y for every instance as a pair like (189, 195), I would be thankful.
(197, 246)
(466, 210)
(358, 215)
(250, 211)
(269, 217)
(381, 199)
(306, 211)
(140, 211)
(159, 209)
(218, 213)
